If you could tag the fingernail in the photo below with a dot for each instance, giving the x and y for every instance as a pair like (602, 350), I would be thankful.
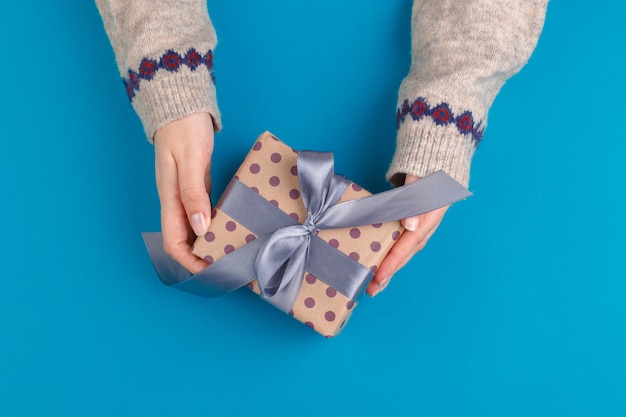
(381, 286)
(198, 224)
(411, 224)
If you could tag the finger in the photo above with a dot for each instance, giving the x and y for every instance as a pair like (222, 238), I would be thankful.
(403, 250)
(411, 223)
(421, 244)
(410, 241)
(399, 251)
(190, 142)
(173, 216)
(195, 199)
(419, 230)
(394, 258)
(429, 222)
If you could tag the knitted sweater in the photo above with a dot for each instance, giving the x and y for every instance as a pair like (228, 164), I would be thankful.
(462, 54)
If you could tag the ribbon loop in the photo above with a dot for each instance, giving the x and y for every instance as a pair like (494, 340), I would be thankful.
(315, 174)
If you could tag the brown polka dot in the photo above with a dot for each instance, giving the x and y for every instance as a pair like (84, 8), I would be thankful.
(274, 181)
(330, 316)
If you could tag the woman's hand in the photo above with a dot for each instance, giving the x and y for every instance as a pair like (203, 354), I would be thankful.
(418, 230)
(183, 150)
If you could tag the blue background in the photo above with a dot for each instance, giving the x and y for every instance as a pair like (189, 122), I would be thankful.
(515, 308)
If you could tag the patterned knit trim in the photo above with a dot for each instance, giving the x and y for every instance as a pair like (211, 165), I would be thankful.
(170, 61)
(442, 116)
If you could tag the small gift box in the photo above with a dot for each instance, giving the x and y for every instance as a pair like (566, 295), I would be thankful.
(304, 238)
(271, 170)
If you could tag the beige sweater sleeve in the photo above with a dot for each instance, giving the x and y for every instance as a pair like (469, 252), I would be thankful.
(164, 52)
(462, 54)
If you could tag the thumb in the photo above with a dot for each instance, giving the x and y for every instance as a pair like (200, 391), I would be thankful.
(411, 223)
(194, 182)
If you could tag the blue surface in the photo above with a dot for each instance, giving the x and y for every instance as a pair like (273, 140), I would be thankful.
(516, 307)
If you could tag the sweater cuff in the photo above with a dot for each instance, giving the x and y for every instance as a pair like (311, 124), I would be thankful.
(171, 96)
(423, 147)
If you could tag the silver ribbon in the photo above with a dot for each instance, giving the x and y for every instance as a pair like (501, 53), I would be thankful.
(285, 249)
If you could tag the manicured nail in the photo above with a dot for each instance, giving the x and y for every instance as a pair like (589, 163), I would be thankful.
(381, 286)
(411, 224)
(198, 224)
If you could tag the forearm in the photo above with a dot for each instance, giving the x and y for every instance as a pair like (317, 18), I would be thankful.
(462, 54)
(164, 52)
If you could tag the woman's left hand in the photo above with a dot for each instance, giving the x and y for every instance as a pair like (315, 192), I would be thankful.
(418, 230)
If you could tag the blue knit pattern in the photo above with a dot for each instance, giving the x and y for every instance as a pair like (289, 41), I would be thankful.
(442, 115)
(170, 61)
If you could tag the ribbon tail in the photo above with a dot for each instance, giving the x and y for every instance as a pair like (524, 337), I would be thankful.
(227, 274)
(169, 271)
(429, 193)
(280, 265)
(291, 280)
(285, 299)
(295, 266)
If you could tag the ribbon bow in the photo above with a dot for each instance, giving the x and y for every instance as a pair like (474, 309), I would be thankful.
(285, 248)
(283, 258)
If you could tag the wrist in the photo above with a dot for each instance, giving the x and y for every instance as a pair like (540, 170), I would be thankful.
(197, 128)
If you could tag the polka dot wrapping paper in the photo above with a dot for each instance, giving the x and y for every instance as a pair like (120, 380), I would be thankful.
(270, 170)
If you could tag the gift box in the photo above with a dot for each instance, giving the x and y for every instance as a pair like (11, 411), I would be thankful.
(302, 237)
(270, 169)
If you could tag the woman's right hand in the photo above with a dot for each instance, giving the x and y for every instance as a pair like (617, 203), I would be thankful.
(183, 150)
